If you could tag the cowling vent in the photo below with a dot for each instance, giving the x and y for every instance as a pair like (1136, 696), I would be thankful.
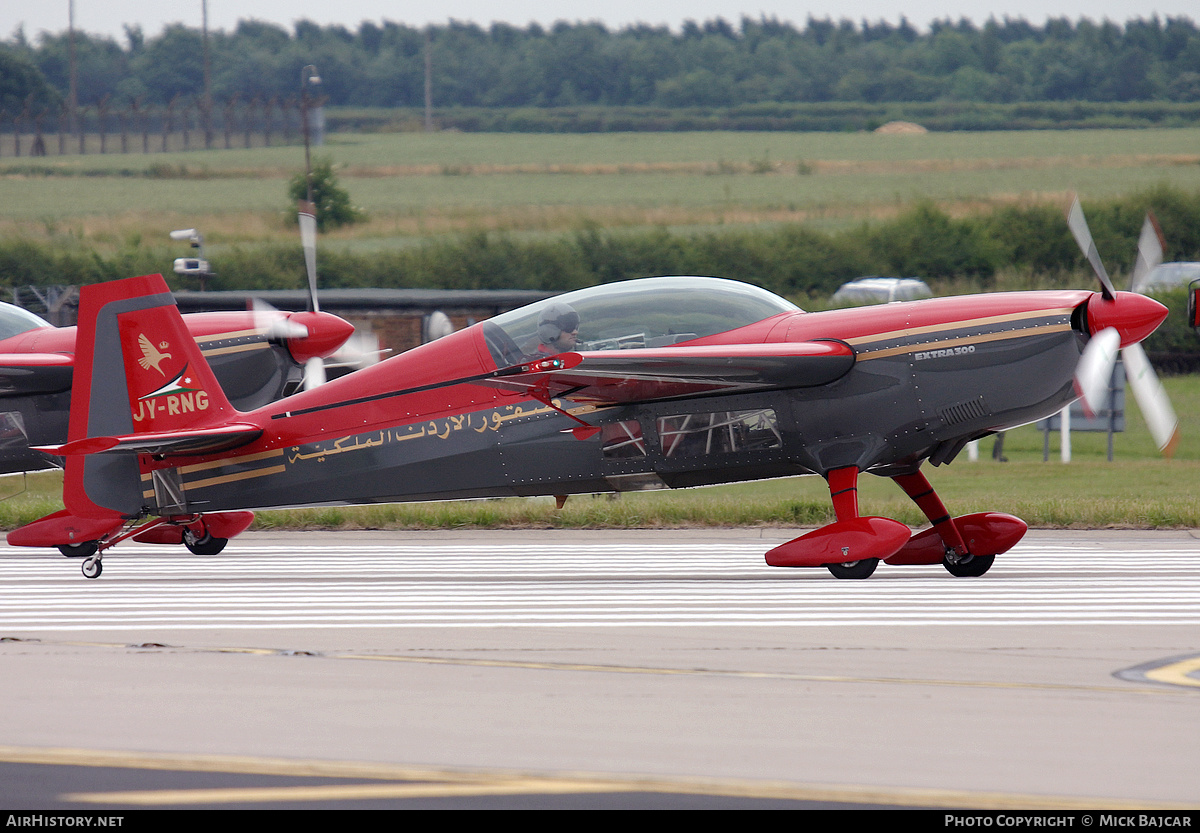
(965, 411)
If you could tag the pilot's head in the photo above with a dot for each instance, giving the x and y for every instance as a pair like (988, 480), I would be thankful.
(558, 326)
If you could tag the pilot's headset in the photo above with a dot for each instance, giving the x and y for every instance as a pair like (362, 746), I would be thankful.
(556, 319)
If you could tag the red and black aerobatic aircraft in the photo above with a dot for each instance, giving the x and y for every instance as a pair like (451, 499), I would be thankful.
(659, 382)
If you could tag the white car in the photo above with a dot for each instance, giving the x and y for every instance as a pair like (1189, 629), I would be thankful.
(1167, 276)
(881, 291)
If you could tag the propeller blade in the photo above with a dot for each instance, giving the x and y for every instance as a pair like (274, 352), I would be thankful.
(314, 373)
(359, 351)
(1151, 399)
(275, 325)
(1094, 371)
(308, 240)
(314, 368)
(1150, 253)
(1083, 236)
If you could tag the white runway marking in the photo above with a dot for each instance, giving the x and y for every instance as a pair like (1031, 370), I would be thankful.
(587, 584)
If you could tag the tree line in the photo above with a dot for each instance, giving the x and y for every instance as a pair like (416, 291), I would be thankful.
(710, 64)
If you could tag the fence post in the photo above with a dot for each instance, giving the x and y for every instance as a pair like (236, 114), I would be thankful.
(184, 114)
(248, 117)
(169, 124)
(39, 142)
(227, 116)
(102, 115)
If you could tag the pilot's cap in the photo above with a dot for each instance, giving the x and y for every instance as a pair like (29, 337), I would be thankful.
(557, 318)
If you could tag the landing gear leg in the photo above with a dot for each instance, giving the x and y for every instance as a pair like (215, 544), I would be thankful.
(918, 488)
(843, 490)
(968, 545)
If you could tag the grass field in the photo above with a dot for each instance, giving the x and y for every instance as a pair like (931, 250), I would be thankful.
(415, 184)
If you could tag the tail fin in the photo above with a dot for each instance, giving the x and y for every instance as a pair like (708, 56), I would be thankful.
(138, 374)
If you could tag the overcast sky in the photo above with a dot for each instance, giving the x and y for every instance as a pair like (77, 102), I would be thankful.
(108, 17)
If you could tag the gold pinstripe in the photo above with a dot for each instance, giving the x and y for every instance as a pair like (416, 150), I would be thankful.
(964, 340)
(237, 348)
(229, 335)
(262, 471)
(960, 325)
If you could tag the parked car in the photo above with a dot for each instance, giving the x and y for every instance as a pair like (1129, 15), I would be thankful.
(880, 291)
(1167, 276)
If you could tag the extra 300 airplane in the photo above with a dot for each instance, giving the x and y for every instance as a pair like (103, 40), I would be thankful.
(659, 382)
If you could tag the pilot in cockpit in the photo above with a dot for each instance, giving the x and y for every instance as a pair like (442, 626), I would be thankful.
(558, 329)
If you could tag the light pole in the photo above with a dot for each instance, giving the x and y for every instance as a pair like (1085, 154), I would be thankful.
(308, 77)
(207, 79)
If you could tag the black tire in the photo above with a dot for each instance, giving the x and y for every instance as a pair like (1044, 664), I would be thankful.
(208, 545)
(972, 568)
(854, 569)
(84, 550)
(92, 568)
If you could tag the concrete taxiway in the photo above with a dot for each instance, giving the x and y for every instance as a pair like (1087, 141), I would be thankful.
(540, 663)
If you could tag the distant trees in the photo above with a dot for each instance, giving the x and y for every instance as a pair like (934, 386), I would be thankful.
(21, 82)
(712, 64)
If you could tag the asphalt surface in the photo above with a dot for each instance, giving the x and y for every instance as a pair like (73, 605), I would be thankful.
(567, 669)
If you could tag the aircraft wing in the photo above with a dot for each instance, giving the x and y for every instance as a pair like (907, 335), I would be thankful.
(29, 373)
(639, 375)
(188, 441)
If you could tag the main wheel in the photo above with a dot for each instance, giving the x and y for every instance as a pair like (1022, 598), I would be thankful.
(971, 568)
(87, 548)
(208, 545)
(92, 568)
(854, 569)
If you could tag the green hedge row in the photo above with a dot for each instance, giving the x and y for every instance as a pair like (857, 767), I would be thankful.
(990, 250)
(818, 116)
(793, 260)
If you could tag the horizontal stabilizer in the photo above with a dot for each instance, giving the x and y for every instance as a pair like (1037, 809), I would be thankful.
(640, 375)
(168, 443)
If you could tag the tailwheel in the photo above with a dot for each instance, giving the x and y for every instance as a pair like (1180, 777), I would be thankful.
(82, 550)
(854, 569)
(92, 567)
(971, 566)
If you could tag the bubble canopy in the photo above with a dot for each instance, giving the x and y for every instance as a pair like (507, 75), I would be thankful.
(650, 312)
(14, 321)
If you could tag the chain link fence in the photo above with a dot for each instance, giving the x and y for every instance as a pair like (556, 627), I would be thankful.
(180, 125)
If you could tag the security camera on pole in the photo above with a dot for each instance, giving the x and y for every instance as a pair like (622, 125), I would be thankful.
(193, 267)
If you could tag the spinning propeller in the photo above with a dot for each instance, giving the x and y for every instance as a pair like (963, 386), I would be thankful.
(1117, 324)
(314, 368)
(311, 335)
